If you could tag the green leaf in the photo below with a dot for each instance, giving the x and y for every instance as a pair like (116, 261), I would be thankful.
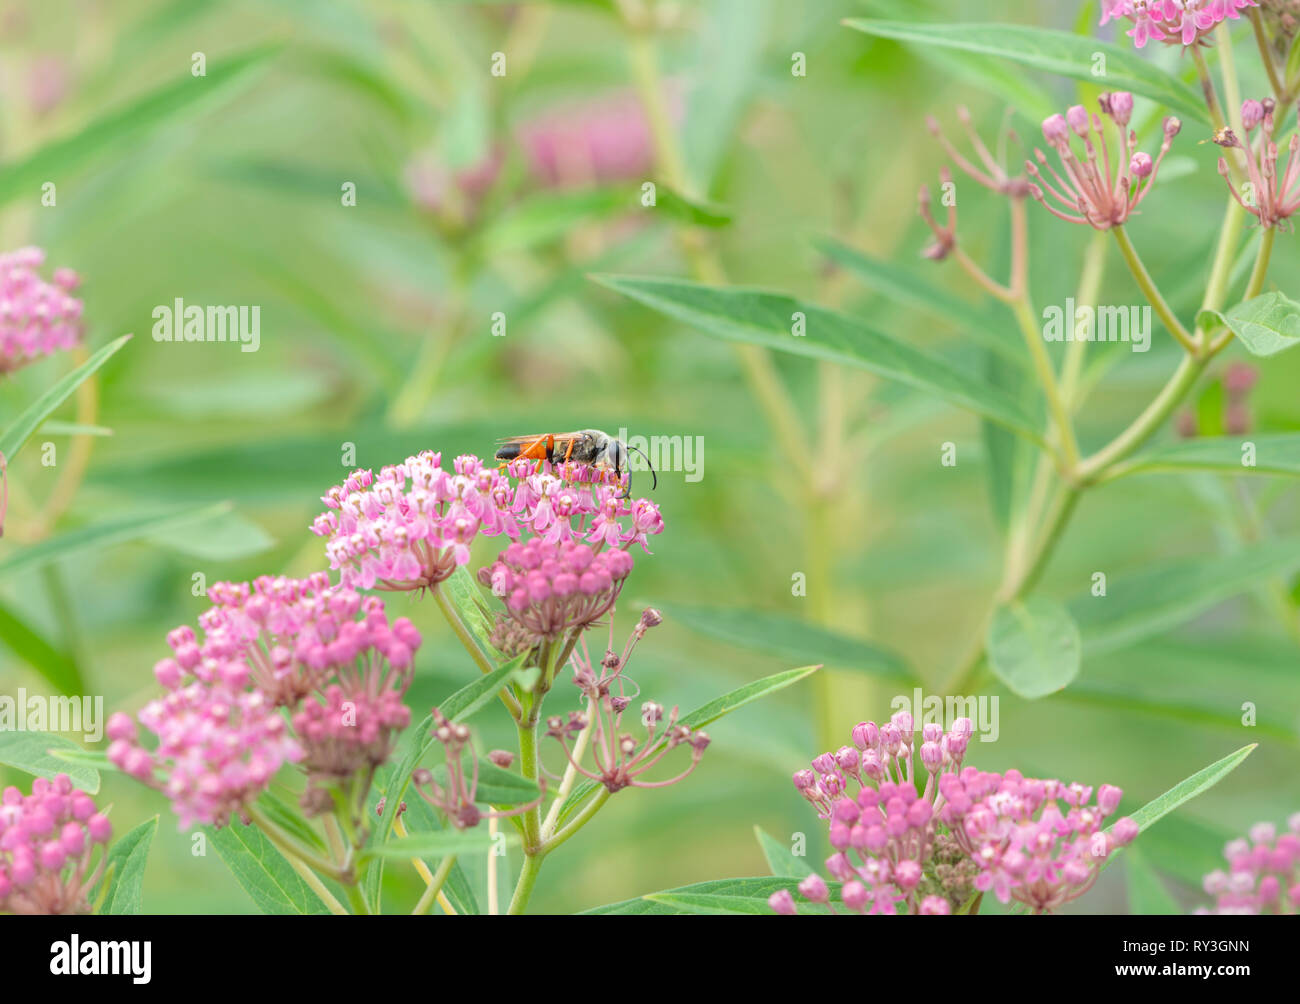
(124, 870)
(1266, 325)
(54, 427)
(467, 597)
(17, 434)
(905, 286)
(226, 536)
(1187, 789)
(473, 696)
(1033, 647)
(544, 219)
(287, 816)
(1277, 453)
(1164, 596)
(756, 317)
(128, 125)
(262, 871)
(783, 863)
(788, 638)
(421, 817)
(439, 844)
(112, 531)
(94, 759)
(695, 212)
(1147, 894)
(33, 752)
(708, 713)
(59, 668)
(722, 896)
(1057, 52)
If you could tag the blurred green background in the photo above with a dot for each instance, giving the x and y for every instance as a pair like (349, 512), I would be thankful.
(376, 331)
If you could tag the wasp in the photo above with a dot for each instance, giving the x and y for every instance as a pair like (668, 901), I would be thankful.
(590, 447)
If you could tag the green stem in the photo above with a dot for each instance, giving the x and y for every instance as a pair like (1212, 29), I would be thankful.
(571, 773)
(1151, 291)
(288, 846)
(524, 887)
(1255, 286)
(1266, 57)
(1047, 378)
(528, 766)
(433, 888)
(579, 821)
(1094, 270)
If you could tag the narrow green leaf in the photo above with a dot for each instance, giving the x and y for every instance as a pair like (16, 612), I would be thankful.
(57, 667)
(1057, 52)
(1147, 894)
(783, 863)
(767, 319)
(124, 870)
(907, 287)
(467, 597)
(439, 844)
(33, 752)
(25, 424)
(1266, 325)
(722, 896)
(1034, 647)
(421, 817)
(1187, 789)
(695, 212)
(1168, 594)
(128, 124)
(464, 702)
(262, 871)
(54, 427)
(1275, 453)
(98, 535)
(788, 638)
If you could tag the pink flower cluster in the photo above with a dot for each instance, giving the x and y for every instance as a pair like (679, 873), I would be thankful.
(1026, 847)
(411, 526)
(1263, 873)
(1174, 22)
(1089, 190)
(885, 836)
(551, 589)
(37, 318)
(47, 840)
(274, 643)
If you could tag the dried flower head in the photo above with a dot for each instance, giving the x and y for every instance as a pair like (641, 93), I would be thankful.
(993, 173)
(456, 795)
(1263, 873)
(1101, 194)
(47, 842)
(37, 318)
(1273, 198)
(620, 758)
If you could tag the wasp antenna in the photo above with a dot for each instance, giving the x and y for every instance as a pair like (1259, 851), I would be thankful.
(653, 473)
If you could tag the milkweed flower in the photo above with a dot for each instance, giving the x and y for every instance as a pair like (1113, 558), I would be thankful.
(1263, 873)
(1174, 22)
(552, 589)
(325, 653)
(37, 318)
(411, 526)
(1273, 198)
(457, 793)
(1025, 846)
(1093, 190)
(47, 842)
(890, 855)
(620, 758)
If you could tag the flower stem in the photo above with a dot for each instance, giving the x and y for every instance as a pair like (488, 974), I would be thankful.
(524, 887)
(571, 773)
(1266, 57)
(290, 847)
(1152, 292)
(579, 821)
(1047, 379)
(434, 888)
(399, 828)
